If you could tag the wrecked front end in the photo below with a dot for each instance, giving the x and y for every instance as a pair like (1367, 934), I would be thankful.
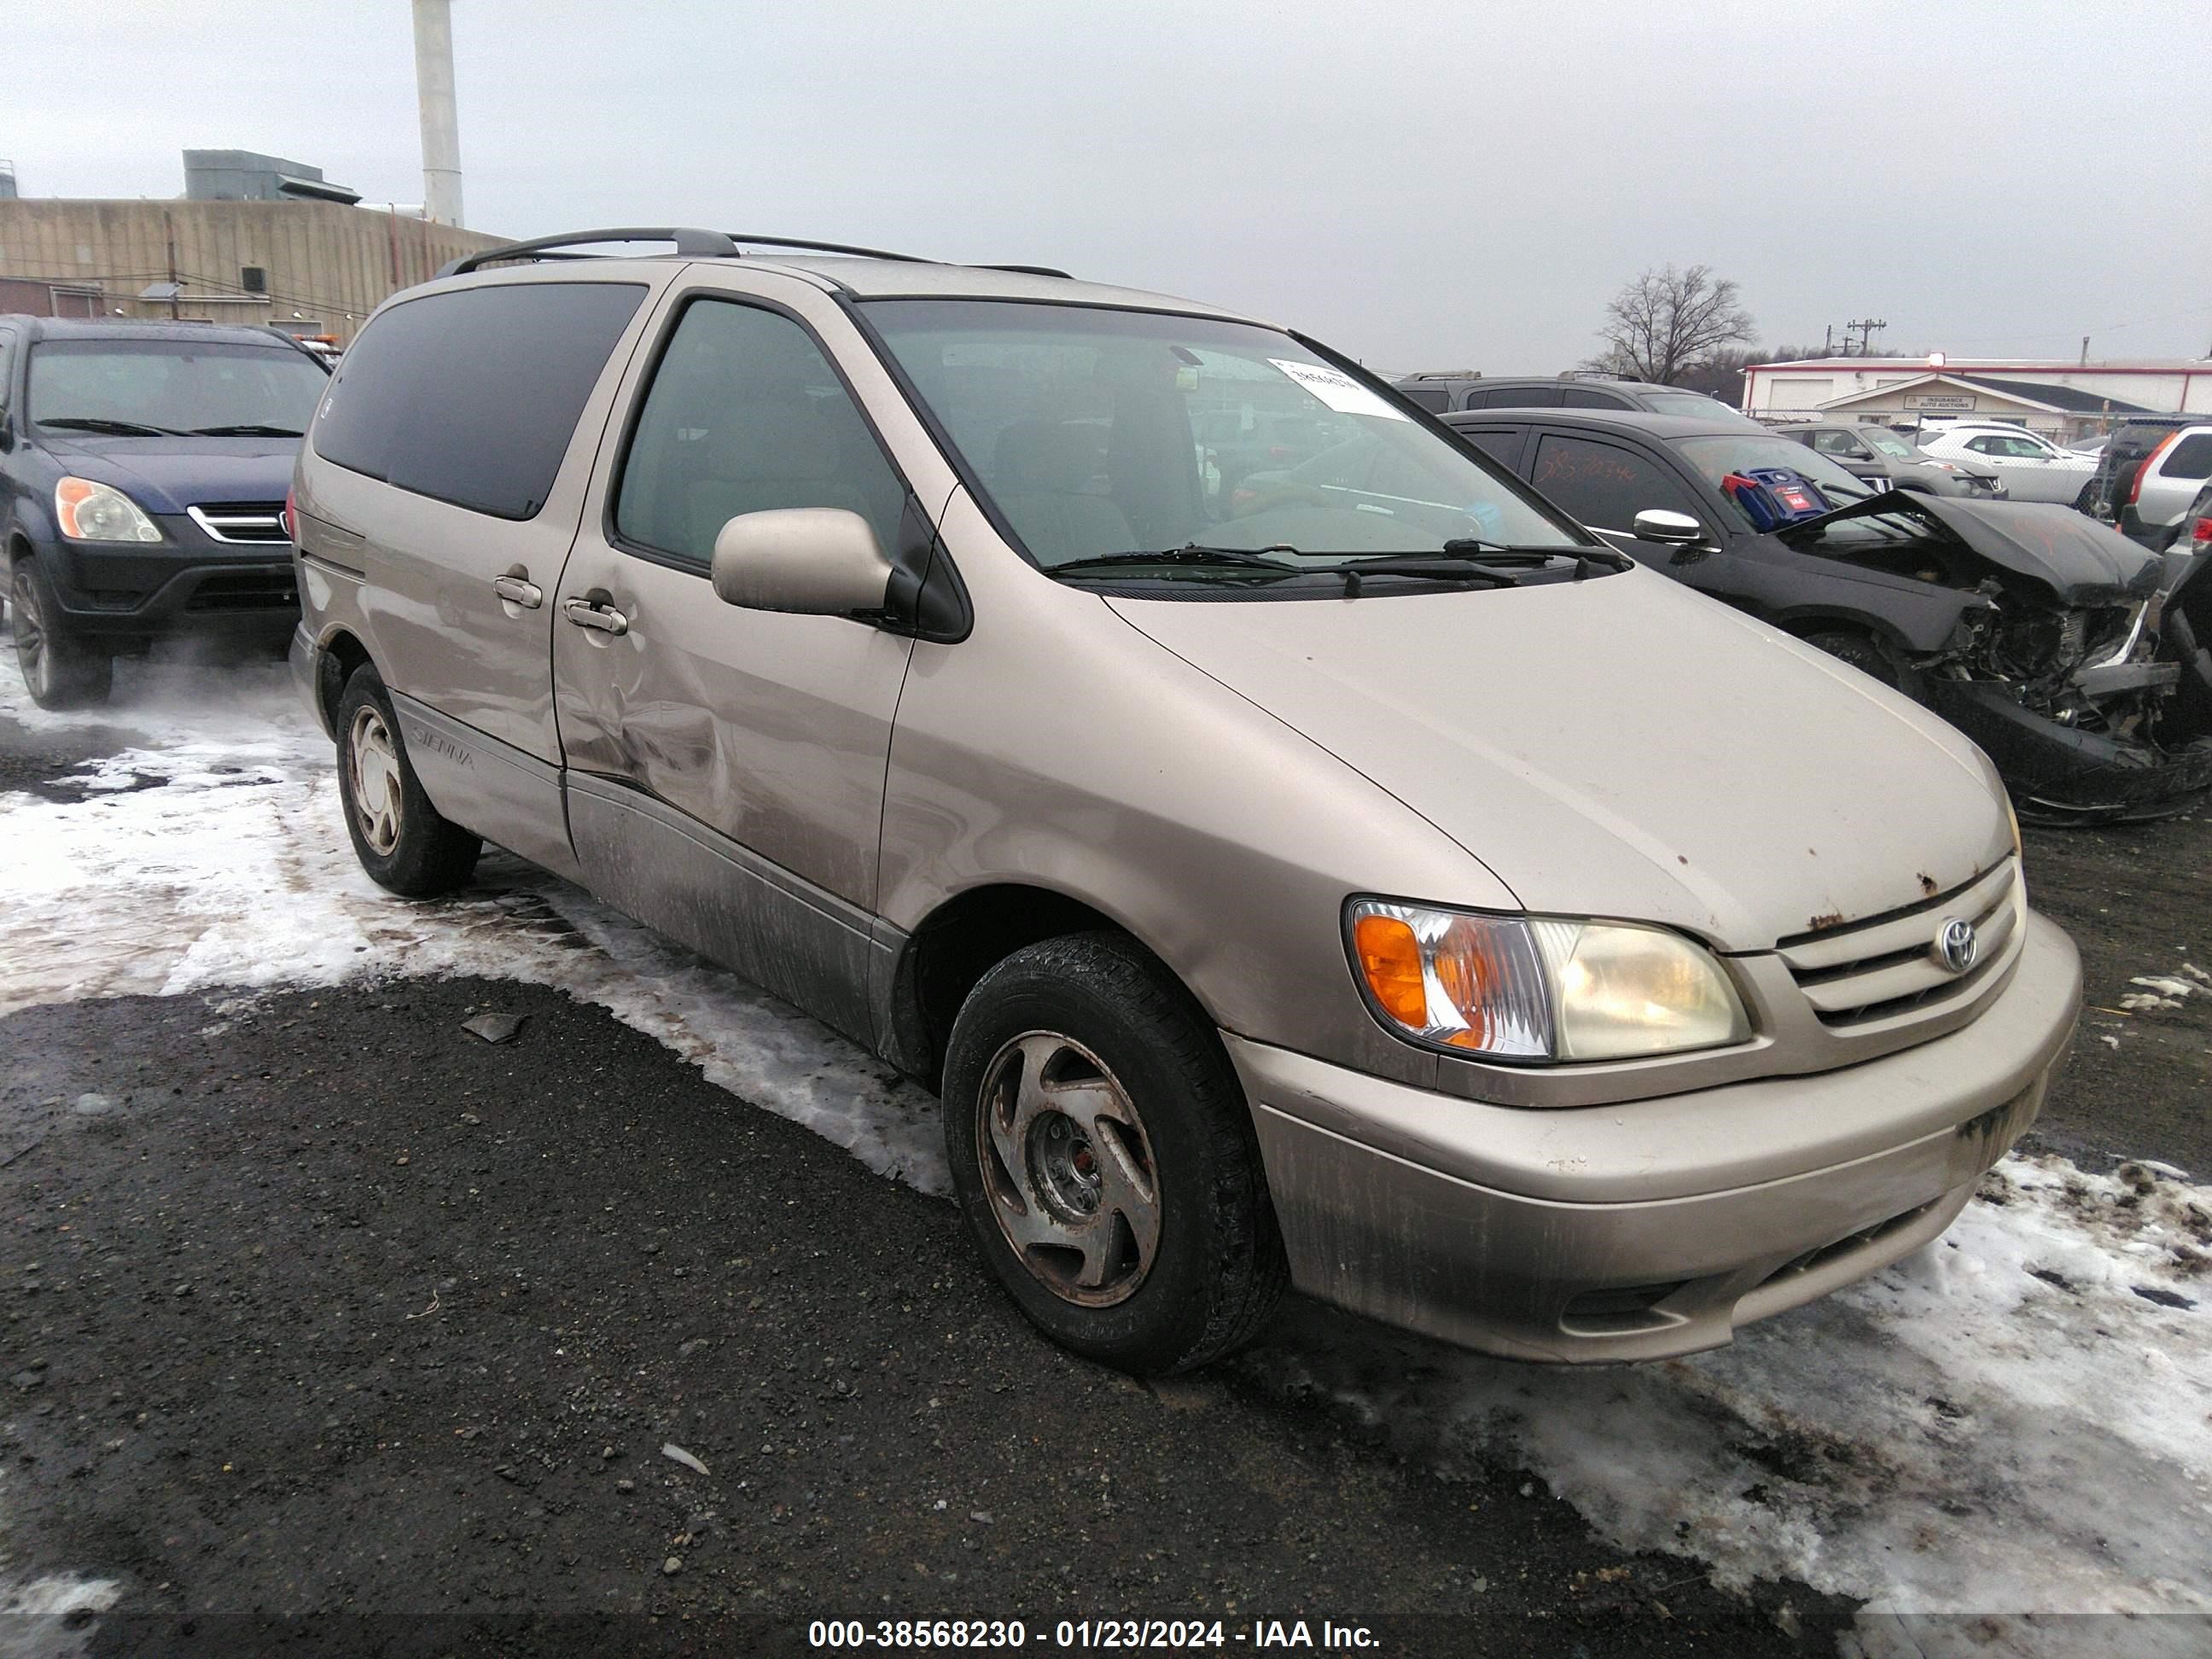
(2083, 673)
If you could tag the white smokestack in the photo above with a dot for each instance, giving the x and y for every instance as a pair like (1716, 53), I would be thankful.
(441, 133)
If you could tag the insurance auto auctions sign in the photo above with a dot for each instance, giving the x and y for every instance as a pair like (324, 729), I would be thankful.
(1939, 400)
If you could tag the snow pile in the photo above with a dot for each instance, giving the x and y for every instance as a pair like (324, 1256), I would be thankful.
(2018, 1419)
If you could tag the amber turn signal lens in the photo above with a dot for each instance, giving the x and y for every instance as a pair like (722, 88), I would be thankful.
(1390, 958)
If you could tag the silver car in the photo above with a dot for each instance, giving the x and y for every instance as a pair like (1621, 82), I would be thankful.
(1881, 457)
(1389, 891)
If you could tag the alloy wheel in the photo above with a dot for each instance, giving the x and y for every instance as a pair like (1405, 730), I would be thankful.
(1069, 1169)
(30, 628)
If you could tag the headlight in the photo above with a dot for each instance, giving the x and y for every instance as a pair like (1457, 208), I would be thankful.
(89, 512)
(1540, 987)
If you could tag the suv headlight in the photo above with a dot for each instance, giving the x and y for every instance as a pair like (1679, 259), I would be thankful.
(1540, 987)
(91, 511)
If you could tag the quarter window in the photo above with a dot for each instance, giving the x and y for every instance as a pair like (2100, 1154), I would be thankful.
(1433, 398)
(2189, 458)
(1603, 485)
(471, 396)
(1577, 396)
(745, 415)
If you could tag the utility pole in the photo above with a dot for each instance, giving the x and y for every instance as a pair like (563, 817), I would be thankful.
(1867, 327)
(169, 229)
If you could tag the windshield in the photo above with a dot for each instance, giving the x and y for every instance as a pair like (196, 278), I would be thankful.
(1688, 403)
(158, 386)
(1096, 433)
(1887, 442)
(1718, 457)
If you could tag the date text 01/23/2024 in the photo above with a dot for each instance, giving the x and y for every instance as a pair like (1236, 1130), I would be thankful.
(1088, 1633)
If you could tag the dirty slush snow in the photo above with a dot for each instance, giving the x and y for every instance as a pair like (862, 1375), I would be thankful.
(2017, 1418)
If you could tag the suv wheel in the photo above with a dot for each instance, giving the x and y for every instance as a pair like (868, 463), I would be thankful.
(1863, 651)
(62, 668)
(1102, 1153)
(402, 840)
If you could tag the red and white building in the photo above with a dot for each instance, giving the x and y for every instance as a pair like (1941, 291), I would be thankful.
(2060, 399)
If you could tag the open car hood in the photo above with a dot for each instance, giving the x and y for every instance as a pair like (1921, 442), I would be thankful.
(2080, 561)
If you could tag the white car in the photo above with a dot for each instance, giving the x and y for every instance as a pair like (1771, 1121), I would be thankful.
(2034, 468)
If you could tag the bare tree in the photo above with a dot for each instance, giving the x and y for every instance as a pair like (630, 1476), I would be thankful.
(1667, 320)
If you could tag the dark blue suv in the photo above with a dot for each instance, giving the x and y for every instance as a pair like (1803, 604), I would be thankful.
(143, 467)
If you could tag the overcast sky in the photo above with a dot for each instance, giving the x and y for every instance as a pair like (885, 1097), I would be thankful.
(1427, 183)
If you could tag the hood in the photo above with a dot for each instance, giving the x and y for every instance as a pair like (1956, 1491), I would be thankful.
(1620, 747)
(167, 475)
(2080, 561)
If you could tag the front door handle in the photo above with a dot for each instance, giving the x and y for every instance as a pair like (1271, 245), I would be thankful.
(515, 590)
(587, 613)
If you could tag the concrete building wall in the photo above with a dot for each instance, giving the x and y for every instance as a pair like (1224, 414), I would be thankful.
(330, 264)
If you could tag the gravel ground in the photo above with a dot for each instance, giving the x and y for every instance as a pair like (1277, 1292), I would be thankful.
(325, 1306)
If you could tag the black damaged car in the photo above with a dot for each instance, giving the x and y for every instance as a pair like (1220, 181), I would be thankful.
(2066, 651)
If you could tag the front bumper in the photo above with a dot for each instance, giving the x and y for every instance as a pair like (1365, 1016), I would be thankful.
(1655, 1227)
(2058, 774)
(190, 580)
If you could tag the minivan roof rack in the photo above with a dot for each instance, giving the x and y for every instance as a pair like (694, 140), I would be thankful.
(692, 243)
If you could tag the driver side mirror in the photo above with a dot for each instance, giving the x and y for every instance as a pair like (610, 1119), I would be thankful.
(814, 560)
(1658, 524)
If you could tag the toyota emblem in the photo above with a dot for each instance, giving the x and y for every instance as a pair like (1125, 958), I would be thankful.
(1956, 944)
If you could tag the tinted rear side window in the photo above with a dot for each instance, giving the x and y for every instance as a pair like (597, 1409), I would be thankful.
(1436, 399)
(472, 396)
(1577, 396)
(2189, 458)
(1604, 486)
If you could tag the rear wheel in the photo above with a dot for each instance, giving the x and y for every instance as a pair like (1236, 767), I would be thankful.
(1104, 1154)
(61, 667)
(402, 840)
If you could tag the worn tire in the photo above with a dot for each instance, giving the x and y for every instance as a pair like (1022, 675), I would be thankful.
(1863, 651)
(402, 840)
(1217, 1269)
(62, 668)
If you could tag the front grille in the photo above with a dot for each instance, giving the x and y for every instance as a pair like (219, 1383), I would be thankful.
(245, 590)
(1889, 967)
(255, 524)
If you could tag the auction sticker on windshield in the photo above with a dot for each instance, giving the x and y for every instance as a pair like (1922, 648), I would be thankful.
(1339, 391)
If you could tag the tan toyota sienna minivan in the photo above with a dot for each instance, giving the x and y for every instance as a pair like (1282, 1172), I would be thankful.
(1294, 851)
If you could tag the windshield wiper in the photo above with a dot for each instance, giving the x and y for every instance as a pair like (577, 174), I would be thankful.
(1420, 568)
(1189, 553)
(114, 428)
(247, 429)
(1500, 553)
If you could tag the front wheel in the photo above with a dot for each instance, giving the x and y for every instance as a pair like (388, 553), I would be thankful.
(61, 668)
(1863, 651)
(1102, 1153)
(402, 840)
